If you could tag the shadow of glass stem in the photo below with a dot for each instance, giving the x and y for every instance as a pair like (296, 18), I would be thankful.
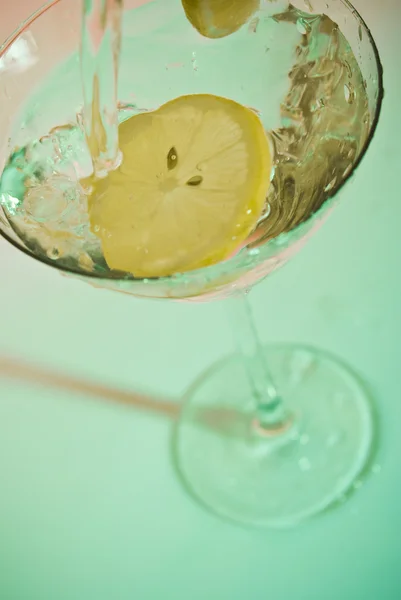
(31, 374)
(218, 419)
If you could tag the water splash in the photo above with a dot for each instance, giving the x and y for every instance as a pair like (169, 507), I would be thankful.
(100, 51)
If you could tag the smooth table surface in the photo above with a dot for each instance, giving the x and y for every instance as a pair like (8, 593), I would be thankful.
(90, 505)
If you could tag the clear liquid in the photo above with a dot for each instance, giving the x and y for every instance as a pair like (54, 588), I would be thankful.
(99, 58)
(296, 70)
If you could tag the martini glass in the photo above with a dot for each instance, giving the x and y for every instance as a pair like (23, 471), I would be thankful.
(269, 436)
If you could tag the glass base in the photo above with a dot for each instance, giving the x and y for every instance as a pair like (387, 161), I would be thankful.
(231, 466)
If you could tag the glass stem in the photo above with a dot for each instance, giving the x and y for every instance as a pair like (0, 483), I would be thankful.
(271, 415)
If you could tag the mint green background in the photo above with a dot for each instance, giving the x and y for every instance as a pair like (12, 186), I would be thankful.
(90, 507)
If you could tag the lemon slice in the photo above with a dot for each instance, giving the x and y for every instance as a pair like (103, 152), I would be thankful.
(190, 189)
(219, 18)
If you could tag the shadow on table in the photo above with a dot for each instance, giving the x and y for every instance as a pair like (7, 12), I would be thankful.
(18, 370)
(221, 419)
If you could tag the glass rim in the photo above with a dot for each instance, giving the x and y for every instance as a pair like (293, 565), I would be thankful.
(227, 266)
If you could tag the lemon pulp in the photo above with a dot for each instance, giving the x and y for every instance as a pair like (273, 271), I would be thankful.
(219, 18)
(191, 187)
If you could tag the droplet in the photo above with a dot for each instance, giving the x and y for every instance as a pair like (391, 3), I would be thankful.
(96, 228)
(249, 212)
(301, 366)
(376, 469)
(339, 399)
(333, 440)
(304, 439)
(304, 464)
(194, 61)
(6, 92)
(174, 65)
(358, 484)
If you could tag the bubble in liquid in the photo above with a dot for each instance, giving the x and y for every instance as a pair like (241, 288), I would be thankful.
(349, 93)
(53, 253)
(347, 171)
(44, 203)
(320, 103)
(254, 252)
(267, 210)
(330, 185)
(253, 25)
(303, 26)
(85, 262)
(11, 203)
